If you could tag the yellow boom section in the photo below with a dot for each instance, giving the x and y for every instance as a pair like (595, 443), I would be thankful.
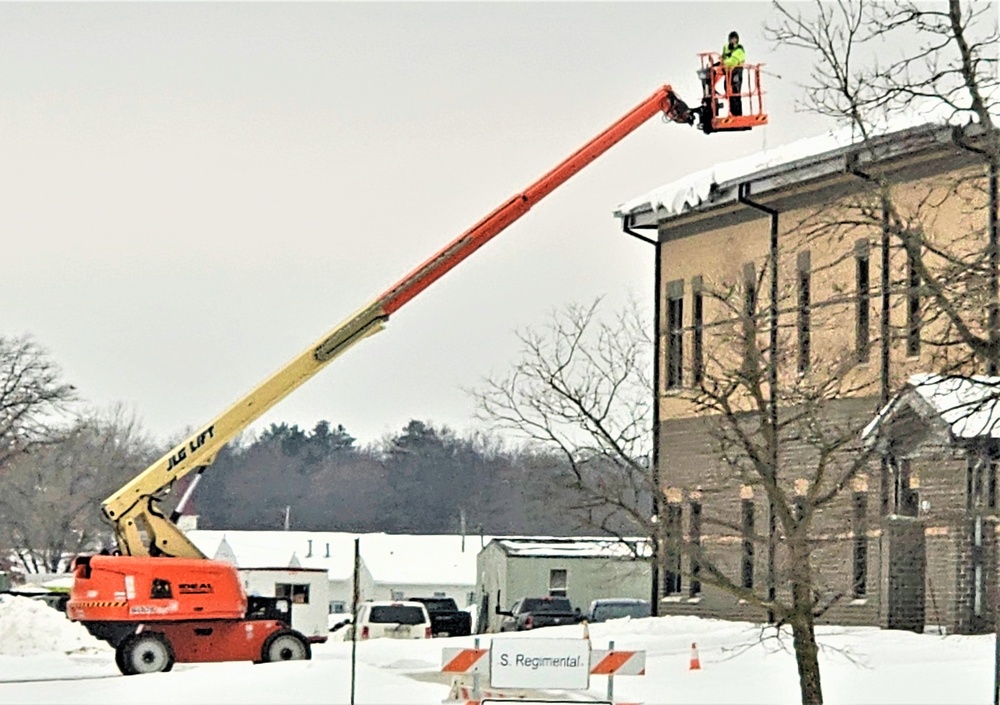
(140, 529)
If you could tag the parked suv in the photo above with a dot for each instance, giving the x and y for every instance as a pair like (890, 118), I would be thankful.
(617, 608)
(534, 612)
(393, 619)
(446, 618)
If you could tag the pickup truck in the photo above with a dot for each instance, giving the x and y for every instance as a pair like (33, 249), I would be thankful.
(446, 618)
(535, 612)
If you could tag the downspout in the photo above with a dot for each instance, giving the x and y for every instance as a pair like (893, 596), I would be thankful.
(993, 252)
(654, 471)
(885, 331)
(772, 519)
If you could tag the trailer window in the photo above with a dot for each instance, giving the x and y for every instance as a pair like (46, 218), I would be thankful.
(295, 593)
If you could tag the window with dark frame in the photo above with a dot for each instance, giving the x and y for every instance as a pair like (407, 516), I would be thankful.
(991, 483)
(981, 481)
(672, 550)
(694, 532)
(675, 335)
(296, 593)
(750, 293)
(859, 584)
(558, 582)
(907, 498)
(862, 280)
(912, 308)
(804, 313)
(697, 331)
(749, 309)
(747, 510)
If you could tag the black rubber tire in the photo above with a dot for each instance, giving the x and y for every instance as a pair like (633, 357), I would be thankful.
(147, 652)
(285, 645)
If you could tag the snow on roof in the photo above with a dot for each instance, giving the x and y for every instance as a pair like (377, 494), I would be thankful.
(331, 551)
(583, 547)
(689, 192)
(390, 558)
(421, 559)
(969, 405)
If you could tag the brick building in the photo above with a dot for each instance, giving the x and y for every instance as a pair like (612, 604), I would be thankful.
(909, 542)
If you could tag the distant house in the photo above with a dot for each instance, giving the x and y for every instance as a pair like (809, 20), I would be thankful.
(392, 566)
(422, 566)
(331, 551)
(582, 569)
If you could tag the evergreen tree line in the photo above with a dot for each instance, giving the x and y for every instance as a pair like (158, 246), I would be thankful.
(422, 480)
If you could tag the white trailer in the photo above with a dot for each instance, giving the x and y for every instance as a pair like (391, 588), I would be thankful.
(306, 588)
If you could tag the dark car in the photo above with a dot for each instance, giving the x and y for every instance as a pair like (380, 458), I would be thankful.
(617, 608)
(446, 618)
(535, 612)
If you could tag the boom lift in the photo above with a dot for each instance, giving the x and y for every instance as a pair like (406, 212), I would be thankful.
(161, 600)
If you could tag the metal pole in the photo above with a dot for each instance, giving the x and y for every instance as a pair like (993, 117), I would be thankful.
(355, 594)
(611, 679)
(475, 675)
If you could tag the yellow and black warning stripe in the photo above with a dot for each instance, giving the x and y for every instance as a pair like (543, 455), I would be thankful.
(101, 603)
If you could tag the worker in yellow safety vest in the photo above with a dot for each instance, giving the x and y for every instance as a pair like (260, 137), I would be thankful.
(733, 58)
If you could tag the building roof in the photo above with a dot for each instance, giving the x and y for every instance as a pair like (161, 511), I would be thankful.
(421, 559)
(969, 407)
(583, 547)
(390, 558)
(331, 551)
(777, 168)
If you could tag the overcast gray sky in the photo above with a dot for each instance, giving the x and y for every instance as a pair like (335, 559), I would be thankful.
(193, 193)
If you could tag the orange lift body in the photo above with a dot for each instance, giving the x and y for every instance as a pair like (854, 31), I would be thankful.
(160, 600)
(157, 611)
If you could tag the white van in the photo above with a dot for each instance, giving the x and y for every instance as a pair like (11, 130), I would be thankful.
(394, 619)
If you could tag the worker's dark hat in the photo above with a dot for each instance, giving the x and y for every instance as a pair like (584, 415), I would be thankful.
(734, 33)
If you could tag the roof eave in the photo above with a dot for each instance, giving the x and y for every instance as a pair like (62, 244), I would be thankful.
(791, 184)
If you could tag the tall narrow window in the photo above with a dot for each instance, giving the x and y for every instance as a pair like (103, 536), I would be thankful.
(907, 495)
(694, 532)
(672, 549)
(750, 294)
(697, 332)
(981, 482)
(862, 280)
(991, 484)
(558, 582)
(749, 311)
(746, 564)
(675, 334)
(804, 323)
(912, 308)
(859, 520)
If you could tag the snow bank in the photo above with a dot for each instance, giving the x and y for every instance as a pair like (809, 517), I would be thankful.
(29, 627)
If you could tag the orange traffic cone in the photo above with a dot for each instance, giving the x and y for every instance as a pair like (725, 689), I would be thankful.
(695, 662)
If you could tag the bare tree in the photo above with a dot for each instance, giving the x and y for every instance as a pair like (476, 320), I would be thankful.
(790, 437)
(32, 396)
(580, 395)
(49, 502)
(944, 72)
(581, 392)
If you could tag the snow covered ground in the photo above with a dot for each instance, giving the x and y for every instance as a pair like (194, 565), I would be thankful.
(44, 660)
